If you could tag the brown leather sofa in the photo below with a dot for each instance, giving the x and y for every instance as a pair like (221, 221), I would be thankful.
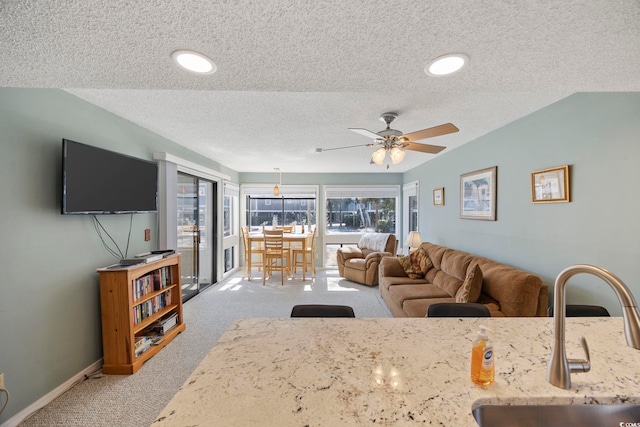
(360, 264)
(505, 291)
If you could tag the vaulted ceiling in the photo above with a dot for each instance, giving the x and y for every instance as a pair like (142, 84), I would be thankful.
(295, 75)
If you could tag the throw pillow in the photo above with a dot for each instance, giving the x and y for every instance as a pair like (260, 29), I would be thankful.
(470, 289)
(417, 264)
(407, 266)
(421, 260)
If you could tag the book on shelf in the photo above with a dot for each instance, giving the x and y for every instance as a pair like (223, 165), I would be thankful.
(145, 342)
(162, 326)
(154, 281)
(149, 307)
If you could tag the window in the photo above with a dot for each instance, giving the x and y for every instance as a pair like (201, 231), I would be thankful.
(351, 211)
(230, 221)
(410, 204)
(361, 209)
(230, 210)
(295, 204)
(280, 211)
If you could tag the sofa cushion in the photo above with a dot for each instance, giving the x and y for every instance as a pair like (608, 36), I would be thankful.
(470, 289)
(447, 283)
(400, 293)
(356, 263)
(392, 281)
(416, 264)
(456, 263)
(452, 271)
(435, 253)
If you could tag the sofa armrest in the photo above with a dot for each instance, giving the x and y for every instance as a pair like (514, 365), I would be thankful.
(350, 252)
(390, 267)
(375, 257)
(344, 254)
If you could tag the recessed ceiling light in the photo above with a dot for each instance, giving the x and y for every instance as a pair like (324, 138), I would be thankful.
(446, 64)
(194, 62)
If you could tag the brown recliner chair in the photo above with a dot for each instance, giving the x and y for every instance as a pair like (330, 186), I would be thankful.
(360, 264)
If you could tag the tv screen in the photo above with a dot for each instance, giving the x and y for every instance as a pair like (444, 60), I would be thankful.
(98, 181)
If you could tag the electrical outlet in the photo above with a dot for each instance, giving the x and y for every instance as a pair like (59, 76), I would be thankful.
(1, 381)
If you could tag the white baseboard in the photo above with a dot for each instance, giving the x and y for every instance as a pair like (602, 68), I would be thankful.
(49, 397)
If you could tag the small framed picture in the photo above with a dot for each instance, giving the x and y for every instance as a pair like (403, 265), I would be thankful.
(550, 185)
(438, 197)
(478, 194)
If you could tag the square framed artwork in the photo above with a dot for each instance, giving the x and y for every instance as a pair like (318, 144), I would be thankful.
(550, 185)
(438, 197)
(478, 194)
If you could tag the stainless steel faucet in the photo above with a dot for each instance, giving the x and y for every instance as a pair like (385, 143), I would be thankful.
(559, 368)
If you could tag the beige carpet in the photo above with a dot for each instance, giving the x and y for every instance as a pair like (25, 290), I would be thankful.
(136, 400)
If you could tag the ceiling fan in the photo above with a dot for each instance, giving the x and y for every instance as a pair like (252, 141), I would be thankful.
(394, 142)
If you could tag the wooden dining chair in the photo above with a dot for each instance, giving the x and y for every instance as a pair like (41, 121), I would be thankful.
(276, 255)
(305, 256)
(285, 228)
(259, 251)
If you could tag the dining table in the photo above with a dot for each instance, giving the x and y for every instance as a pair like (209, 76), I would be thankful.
(290, 239)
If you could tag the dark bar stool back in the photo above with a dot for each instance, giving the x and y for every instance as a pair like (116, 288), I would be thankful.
(322, 310)
(457, 309)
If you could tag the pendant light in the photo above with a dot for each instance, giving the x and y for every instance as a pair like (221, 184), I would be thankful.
(276, 189)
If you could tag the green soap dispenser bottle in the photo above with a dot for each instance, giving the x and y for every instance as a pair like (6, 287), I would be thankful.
(482, 360)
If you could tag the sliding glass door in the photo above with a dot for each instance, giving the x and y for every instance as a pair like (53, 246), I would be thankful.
(196, 233)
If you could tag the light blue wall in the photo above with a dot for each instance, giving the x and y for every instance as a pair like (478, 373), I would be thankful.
(49, 301)
(599, 136)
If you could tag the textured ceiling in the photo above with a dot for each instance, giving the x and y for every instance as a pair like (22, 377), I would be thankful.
(294, 75)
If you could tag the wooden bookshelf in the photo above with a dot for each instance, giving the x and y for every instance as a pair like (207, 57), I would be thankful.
(132, 298)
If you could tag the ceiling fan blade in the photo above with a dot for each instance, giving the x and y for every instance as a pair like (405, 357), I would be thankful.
(431, 132)
(321, 150)
(365, 132)
(423, 148)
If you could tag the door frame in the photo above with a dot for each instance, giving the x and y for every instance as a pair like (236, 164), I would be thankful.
(168, 168)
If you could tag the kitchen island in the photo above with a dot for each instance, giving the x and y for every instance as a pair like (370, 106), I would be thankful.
(401, 371)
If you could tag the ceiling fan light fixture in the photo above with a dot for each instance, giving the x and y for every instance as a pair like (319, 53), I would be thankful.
(194, 62)
(378, 156)
(446, 64)
(397, 155)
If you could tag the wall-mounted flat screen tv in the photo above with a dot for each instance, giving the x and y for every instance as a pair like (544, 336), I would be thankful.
(99, 181)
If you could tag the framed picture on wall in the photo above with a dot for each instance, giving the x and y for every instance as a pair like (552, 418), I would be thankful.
(478, 194)
(550, 185)
(438, 197)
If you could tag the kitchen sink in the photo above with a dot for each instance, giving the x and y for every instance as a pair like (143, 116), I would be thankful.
(558, 415)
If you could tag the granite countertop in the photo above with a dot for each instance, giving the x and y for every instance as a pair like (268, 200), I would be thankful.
(401, 371)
